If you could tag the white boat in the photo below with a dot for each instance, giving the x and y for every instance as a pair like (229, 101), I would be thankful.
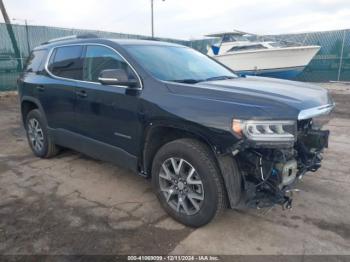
(265, 58)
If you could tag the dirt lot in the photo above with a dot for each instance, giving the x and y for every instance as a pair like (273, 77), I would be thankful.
(76, 205)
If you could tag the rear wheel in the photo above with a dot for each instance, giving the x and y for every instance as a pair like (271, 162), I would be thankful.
(38, 137)
(187, 182)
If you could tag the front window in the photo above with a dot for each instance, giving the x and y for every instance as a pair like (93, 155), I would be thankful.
(99, 58)
(176, 63)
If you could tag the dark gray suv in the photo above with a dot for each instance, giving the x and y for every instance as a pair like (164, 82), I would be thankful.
(207, 138)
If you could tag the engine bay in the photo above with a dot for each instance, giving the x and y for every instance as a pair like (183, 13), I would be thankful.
(270, 175)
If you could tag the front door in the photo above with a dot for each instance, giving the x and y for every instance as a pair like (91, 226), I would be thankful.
(108, 114)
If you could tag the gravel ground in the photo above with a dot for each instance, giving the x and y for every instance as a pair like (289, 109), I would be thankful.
(72, 204)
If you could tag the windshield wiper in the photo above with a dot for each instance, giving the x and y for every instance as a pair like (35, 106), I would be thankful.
(194, 81)
(219, 78)
(187, 81)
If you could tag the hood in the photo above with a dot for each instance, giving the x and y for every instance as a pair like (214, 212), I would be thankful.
(275, 97)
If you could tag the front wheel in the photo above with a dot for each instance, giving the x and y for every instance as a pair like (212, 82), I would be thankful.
(187, 182)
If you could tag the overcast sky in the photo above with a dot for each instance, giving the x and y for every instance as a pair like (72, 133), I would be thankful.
(186, 19)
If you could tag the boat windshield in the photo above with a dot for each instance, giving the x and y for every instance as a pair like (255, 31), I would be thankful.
(234, 38)
(284, 44)
(178, 64)
(246, 48)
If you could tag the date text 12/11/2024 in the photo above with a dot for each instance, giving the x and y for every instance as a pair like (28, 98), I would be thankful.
(173, 258)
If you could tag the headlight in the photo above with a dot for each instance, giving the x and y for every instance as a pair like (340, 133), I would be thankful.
(266, 131)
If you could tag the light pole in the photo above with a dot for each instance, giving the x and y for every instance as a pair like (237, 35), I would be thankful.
(152, 20)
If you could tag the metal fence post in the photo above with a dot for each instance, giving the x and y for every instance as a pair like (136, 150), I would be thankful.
(27, 34)
(17, 33)
(341, 56)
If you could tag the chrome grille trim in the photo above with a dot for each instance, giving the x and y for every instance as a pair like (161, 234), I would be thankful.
(315, 111)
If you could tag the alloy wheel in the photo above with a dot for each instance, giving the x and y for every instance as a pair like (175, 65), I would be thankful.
(181, 186)
(35, 134)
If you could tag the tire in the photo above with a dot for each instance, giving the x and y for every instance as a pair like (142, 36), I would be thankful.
(203, 196)
(48, 148)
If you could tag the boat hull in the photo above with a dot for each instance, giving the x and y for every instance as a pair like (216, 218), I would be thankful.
(283, 73)
(278, 62)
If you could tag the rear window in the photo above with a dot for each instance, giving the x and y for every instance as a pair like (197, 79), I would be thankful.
(67, 62)
(35, 62)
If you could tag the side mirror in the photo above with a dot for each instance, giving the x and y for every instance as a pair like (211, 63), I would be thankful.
(116, 77)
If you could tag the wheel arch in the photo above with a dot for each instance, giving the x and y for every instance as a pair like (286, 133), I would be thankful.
(28, 104)
(158, 135)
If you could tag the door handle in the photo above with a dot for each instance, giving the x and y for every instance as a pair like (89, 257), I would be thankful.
(81, 93)
(40, 88)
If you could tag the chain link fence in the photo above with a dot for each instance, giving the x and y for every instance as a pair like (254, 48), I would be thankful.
(331, 63)
(28, 37)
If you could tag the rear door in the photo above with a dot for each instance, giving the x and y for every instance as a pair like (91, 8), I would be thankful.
(57, 93)
(33, 75)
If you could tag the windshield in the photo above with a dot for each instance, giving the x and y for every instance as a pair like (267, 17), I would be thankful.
(176, 63)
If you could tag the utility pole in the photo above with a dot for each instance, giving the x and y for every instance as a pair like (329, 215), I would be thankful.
(11, 34)
(152, 18)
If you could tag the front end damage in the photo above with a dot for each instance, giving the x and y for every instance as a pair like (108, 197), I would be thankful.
(270, 172)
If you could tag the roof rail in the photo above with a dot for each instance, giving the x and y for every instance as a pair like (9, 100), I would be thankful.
(82, 36)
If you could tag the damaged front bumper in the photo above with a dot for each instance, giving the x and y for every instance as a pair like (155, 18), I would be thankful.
(270, 174)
